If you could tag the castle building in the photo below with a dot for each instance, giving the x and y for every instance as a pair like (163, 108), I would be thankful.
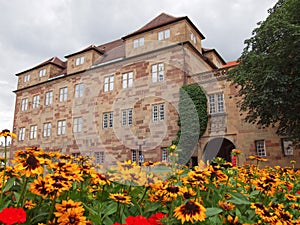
(119, 101)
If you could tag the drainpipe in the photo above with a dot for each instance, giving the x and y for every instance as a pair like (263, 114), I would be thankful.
(184, 65)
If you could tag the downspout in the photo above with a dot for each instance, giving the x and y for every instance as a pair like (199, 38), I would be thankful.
(184, 65)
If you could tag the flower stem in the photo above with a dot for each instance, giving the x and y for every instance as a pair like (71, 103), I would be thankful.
(23, 191)
(4, 169)
(51, 209)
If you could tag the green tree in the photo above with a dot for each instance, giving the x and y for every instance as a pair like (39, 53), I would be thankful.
(269, 71)
(192, 120)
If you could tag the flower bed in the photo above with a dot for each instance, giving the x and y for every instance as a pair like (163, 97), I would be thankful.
(52, 188)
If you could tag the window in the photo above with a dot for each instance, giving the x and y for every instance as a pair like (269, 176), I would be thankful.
(108, 119)
(193, 38)
(77, 125)
(63, 94)
(133, 156)
(260, 148)
(158, 112)
(47, 130)
(158, 72)
(21, 136)
(99, 157)
(48, 98)
(79, 90)
(216, 103)
(109, 83)
(42, 73)
(76, 154)
(164, 34)
(164, 155)
(33, 132)
(127, 117)
(287, 146)
(24, 106)
(79, 61)
(138, 42)
(36, 101)
(127, 80)
(61, 127)
(26, 78)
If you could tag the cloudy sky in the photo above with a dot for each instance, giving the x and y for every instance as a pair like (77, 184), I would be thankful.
(33, 31)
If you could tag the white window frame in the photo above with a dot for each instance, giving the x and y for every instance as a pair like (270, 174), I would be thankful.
(158, 112)
(127, 80)
(164, 34)
(139, 42)
(26, 78)
(42, 72)
(108, 120)
(77, 124)
(158, 72)
(79, 61)
(48, 98)
(99, 157)
(76, 154)
(33, 132)
(164, 155)
(47, 129)
(216, 103)
(109, 83)
(287, 147)
(133, 156)
(21, 136)
(61, 127)
(260, 147)
(24, 104)
(63, 94)
(36, 101)
(127, 117)
(79, 88)
(193, 37)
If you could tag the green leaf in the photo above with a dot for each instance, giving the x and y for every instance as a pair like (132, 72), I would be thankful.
(17, 196)
(213, 211)
(238, 199)
(9, 184)
(254, 193)
(110, 209)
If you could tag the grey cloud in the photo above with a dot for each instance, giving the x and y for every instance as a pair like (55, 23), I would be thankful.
(34, 31)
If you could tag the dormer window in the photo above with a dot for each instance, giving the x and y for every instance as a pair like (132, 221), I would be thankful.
(138, 42)
(79, 61)
(42, 73)
(26, 78)
(163, 34)
(193, 38)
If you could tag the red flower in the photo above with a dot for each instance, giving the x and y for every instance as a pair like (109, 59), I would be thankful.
(155, 218)
(10, 216)
(134, 220)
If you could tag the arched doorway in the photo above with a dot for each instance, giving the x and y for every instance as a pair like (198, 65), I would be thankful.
(218, 147)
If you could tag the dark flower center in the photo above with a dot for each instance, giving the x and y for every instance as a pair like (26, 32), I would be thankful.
(191, 208)
(173, 189)
(32, 162)
(72, 219)
(120, 198)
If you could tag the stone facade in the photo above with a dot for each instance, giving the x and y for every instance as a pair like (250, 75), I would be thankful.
(119, 100)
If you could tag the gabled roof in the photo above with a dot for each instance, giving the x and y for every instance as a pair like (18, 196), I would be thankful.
(231, 64)
(162, 20)
(207, 50)
(112, 50)
(91, 47)
(54, 61)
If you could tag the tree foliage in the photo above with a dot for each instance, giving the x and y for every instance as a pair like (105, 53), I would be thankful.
(269, 71)
(192, 119)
